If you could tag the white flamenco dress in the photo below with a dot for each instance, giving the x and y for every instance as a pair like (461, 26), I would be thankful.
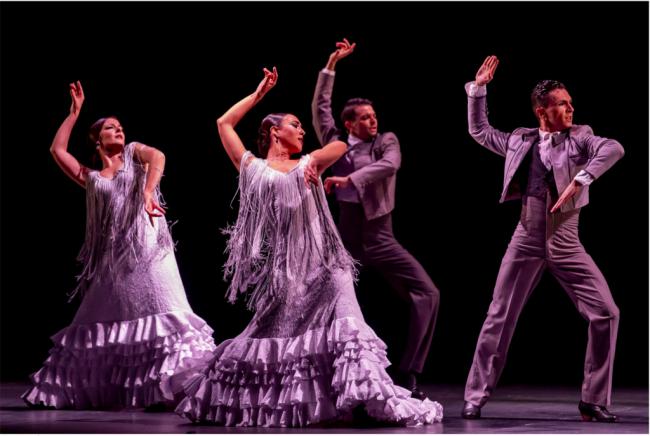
(134, 328)
(307, 356)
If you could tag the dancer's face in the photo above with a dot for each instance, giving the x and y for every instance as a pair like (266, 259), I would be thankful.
(290, 133)
(364, 125)
(111, 135)
(558, 114)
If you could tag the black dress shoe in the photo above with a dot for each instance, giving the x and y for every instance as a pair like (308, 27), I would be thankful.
(594, 411)
(418, 394)
(470, 411)
(409, 381)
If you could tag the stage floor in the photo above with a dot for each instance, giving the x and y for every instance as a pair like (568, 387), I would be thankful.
(514, 409)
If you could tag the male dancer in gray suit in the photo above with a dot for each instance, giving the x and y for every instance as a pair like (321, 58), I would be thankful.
(364, 181)
(556, 158)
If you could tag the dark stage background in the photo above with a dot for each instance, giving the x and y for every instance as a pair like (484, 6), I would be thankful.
(168, 70)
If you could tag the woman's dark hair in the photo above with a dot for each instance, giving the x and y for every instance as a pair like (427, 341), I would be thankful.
(93, 135)
(264, 132)
(539, 96)
(93, 132)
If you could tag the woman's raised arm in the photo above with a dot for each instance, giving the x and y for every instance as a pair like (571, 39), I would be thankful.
(227, 122)
(59, 149)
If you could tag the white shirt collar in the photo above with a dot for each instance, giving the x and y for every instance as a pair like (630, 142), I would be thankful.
(353, 140)
(545, 136)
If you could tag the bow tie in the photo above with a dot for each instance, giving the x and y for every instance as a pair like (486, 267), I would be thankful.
(554, 138)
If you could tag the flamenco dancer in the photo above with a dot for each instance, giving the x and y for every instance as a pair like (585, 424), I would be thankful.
(134, 328)
(307, 356)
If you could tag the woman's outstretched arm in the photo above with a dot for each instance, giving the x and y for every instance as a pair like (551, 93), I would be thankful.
(323, 158)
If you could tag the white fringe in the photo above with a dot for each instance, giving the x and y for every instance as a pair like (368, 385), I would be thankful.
(115, 224)
(272, 245)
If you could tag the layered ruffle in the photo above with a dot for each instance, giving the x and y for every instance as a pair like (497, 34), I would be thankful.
(316, 377)
(122, 363)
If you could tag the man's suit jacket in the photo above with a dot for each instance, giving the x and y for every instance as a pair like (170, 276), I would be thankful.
(375, 182)
(574, 150)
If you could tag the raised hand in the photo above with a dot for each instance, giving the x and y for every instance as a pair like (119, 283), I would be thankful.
(343, 49)
(268, 82)
(485, 74)
(77, 94)
(151, 206)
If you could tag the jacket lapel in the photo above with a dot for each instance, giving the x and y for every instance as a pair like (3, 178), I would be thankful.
(560, 162)
(518, 156)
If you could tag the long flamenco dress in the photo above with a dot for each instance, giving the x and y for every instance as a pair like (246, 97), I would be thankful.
(307, 355)
(134, 328)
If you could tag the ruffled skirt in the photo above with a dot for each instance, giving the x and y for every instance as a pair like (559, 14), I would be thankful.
(316, 377)
(119, 364)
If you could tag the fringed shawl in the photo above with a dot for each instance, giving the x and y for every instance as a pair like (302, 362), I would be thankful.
(116, 223)
(284, 232)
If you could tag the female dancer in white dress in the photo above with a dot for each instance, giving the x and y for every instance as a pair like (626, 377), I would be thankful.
(307, 356)
(134, 328)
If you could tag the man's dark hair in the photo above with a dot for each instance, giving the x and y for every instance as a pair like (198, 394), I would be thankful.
(539, 96)
(349, 113)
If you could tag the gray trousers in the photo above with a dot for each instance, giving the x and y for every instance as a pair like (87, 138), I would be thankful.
(542, 241)
(373, 244)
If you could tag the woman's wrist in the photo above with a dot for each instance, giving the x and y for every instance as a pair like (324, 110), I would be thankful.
(258, 95)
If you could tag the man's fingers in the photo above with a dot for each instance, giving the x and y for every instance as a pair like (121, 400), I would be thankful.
(493, 63)
(493, 66)
(558, 204)
(569, 192)
(489, 62)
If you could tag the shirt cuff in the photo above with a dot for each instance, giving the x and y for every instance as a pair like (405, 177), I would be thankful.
(584, 178)
(477, 90)
(330, 72)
